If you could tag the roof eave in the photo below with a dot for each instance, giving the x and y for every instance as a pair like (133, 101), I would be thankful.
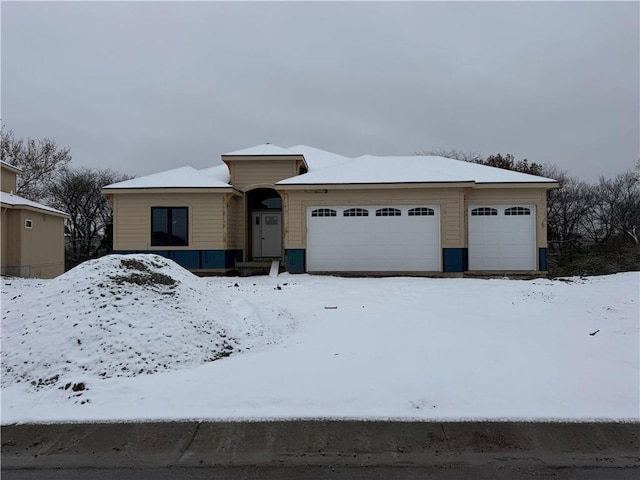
(370, 185)
(10, 167)
(227, 189)
(32, 208)
(546, 185)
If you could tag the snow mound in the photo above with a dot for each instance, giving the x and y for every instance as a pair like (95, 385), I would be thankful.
(123, 316)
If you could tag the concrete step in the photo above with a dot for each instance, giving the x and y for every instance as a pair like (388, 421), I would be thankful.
(255, 267)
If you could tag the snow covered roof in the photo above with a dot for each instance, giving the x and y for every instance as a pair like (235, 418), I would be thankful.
(411, 169)
(315, 158)
(264, 149)
(326, 168)
(221, 172)
(318, 159)
(17, 201)
(13, 168)
(184, 177)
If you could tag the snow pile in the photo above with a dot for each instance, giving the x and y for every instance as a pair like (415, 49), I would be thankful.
(124, 316)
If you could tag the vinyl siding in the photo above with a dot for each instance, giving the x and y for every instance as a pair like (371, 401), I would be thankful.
(235, 223)
(247, 174)
(514, 196)
(37, 252)
(42, 247)
(132, 219)
(8, 180)
(10, 237)
(297, 201)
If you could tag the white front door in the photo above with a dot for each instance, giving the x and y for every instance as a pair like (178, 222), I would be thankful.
(267, 234)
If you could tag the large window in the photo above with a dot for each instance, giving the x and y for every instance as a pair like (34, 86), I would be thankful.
(169, 226)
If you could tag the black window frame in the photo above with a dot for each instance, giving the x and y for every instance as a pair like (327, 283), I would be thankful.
(421, 212)
(171, 239)
(484, 212)
(324, 212)
(388, 212)
(356, 212)
(516, 211)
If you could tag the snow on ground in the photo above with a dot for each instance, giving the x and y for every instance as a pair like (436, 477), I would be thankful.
(317, 347)
(122, 317)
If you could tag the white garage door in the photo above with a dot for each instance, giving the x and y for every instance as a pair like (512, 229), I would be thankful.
(502, 237)
(373, 238)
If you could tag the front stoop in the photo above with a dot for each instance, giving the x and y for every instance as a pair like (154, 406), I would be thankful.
(256, 267)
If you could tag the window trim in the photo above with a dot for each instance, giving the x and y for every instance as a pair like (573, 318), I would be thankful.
(324, 212)
(28, 224)
(421, 212)
(484, 212)
(388, 212)
(356, 212)
(517, 211)
(169, 211)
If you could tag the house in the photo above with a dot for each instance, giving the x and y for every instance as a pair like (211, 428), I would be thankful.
(322, 212)
(32, 240)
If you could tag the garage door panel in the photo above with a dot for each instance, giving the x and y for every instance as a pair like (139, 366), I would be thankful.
(373, 243)
(504, 240)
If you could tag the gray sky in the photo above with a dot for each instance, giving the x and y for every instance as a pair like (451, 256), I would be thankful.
(144, 87)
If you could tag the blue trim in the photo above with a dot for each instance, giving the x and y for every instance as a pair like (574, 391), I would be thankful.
(195, 259)
(542, 259)
(189, 259)
(212, 258)
(455, 260)
(295, 260)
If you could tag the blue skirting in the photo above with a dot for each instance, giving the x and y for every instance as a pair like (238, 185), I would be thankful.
(295, 260)
(542, 259)
(455, 260)
(196, 259)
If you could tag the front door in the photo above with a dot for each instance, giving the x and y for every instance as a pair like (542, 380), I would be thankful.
(267, 234)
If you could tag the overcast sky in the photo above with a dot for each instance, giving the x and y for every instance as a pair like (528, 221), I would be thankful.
(145, 87)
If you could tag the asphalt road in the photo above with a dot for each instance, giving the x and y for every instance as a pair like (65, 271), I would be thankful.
(322, 449)
(332, 473)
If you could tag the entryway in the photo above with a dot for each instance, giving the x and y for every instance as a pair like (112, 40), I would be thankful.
(265, 223)
(267, 234)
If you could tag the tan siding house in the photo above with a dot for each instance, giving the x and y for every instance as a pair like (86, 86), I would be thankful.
(322, 212)
(32, 234)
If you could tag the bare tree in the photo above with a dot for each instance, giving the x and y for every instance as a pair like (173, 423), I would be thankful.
(473, 157)
(79, 193)
(566, 207)
(498, 160)
(616, 208)
(39, 161)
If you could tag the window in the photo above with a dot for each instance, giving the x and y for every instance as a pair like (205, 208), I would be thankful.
(388, 212)
(28, 224)
(483, 211)
(356, 212)
(323, 212)
(422, 212)
(169, 226)
(517, 211)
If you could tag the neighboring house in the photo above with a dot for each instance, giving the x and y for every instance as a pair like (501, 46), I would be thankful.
(32, 240)
(322, 212)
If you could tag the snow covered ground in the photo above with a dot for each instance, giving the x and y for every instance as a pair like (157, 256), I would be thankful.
(138, 337)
